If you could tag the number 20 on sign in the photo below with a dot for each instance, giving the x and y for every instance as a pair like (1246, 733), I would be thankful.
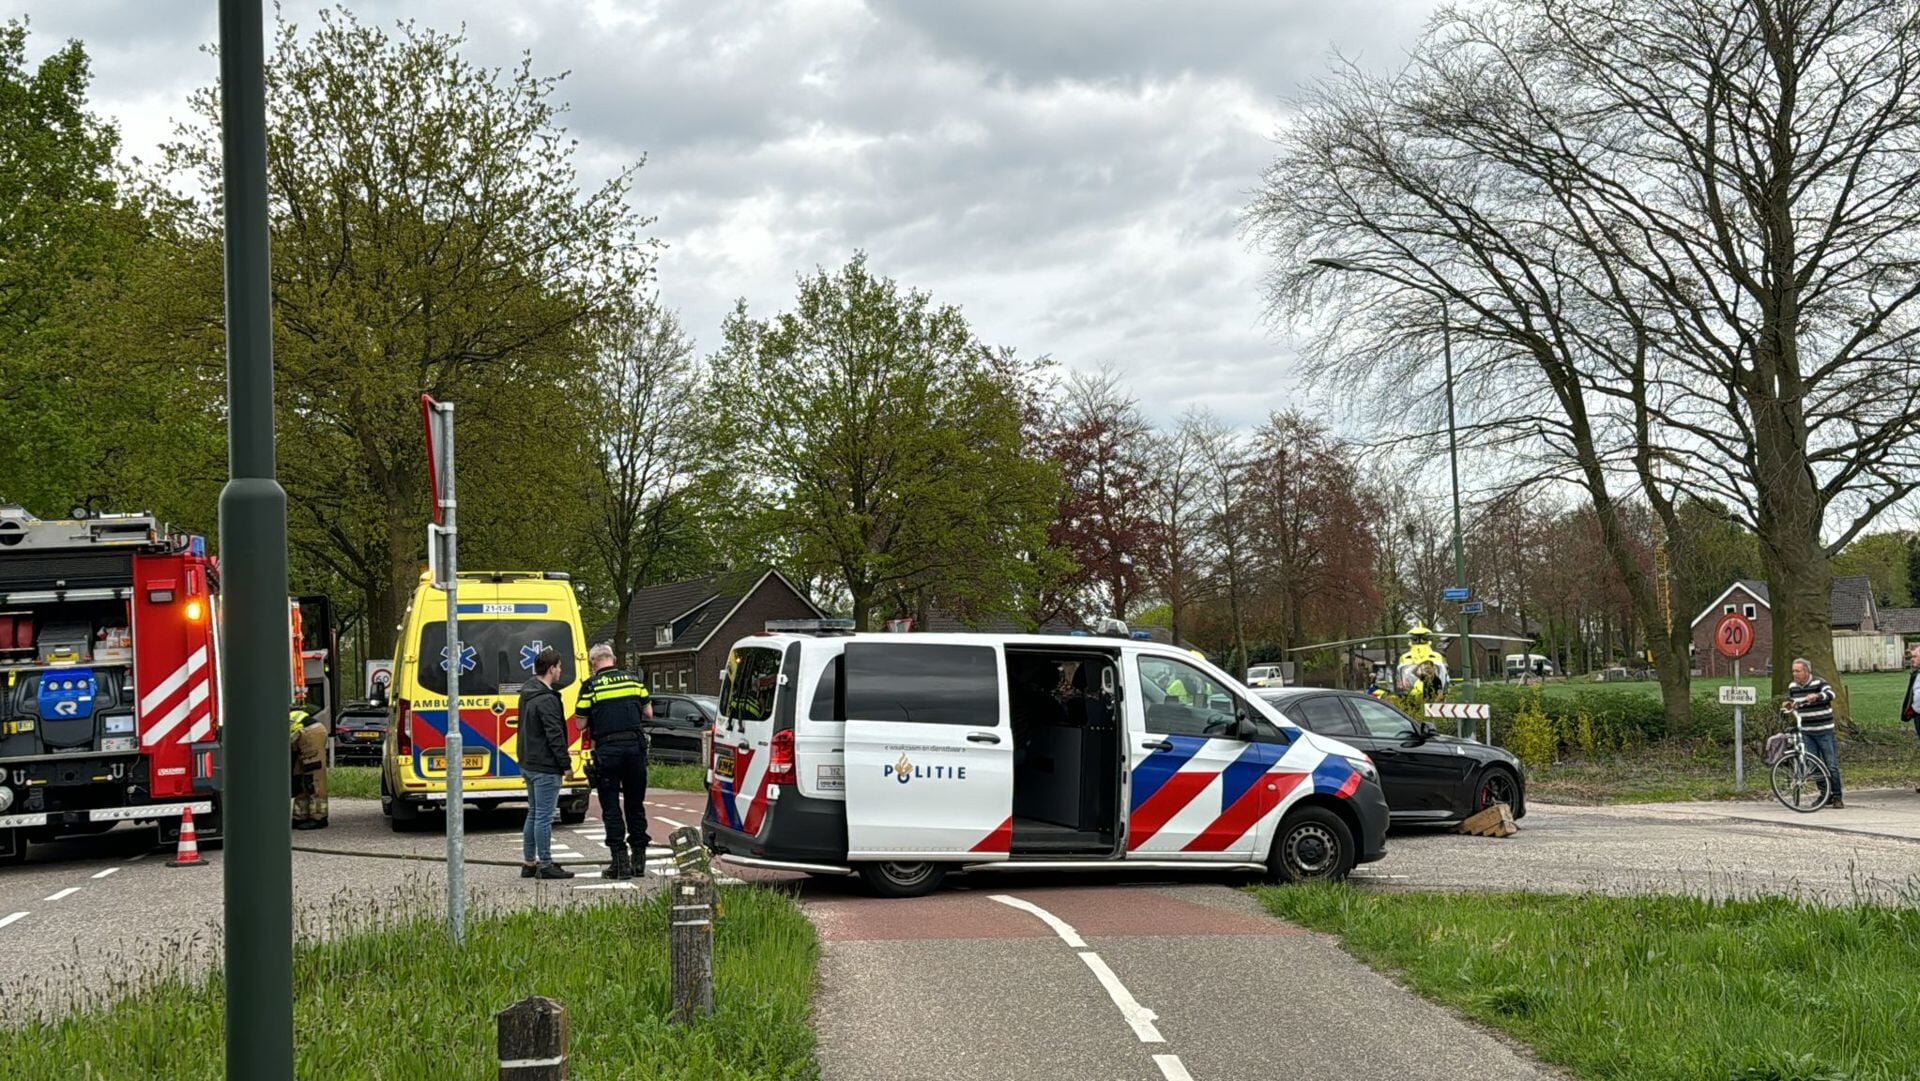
(1733, 636)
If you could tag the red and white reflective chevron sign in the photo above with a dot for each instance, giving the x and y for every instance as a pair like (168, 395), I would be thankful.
(1472, 711)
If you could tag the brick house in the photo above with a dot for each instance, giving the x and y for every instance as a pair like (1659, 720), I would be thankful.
(679, 633)
(1851, 610)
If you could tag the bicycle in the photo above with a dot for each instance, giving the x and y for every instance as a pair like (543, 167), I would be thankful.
(1800, 779)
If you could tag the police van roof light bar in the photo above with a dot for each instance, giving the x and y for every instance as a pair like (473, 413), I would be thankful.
(809, 626)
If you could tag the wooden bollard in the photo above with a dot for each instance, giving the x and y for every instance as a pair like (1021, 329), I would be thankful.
(533, 1040)
(689, 851)
(690, 941)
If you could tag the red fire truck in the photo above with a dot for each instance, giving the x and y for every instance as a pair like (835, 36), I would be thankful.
(109, 692)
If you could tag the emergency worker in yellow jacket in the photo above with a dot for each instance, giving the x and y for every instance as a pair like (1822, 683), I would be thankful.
(307, 740)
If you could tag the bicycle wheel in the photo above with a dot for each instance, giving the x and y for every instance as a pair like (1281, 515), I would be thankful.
(1800, 782)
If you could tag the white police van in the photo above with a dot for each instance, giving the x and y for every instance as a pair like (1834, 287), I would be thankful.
(902, 757)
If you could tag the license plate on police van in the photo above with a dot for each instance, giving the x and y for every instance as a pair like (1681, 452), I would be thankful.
(723, 762)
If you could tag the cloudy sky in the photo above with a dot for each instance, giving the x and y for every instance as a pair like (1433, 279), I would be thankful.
(1070, 172)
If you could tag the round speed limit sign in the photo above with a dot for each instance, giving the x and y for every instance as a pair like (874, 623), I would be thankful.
(1733, 636)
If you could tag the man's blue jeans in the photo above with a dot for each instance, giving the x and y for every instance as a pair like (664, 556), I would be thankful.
(1826, 749)
(536, 838)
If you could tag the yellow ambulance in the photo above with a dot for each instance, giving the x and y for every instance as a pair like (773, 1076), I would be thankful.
(506, 618)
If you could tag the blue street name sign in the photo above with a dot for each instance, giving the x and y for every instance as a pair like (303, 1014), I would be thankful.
(1472, 608)
(1456, 593)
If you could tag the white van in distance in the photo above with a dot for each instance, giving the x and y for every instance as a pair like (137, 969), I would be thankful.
(903, 757)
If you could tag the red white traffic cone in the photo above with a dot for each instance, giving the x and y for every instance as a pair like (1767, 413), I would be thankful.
(189, 854)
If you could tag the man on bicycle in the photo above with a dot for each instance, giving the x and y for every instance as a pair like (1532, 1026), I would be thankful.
(1813, 697)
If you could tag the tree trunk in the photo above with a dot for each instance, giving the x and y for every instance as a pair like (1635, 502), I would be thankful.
(622, 628)
(862, 595)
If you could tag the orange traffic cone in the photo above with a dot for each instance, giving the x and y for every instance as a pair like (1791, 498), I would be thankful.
(189, 853)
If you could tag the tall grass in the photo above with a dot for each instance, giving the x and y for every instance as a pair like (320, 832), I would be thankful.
(400, 1003)
(1654, 988)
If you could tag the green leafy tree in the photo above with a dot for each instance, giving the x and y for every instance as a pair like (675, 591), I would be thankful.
(66, 235)
(1882, 557)
(429, 236)
(871, 444)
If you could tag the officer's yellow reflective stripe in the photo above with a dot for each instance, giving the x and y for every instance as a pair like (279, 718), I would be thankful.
(630, 690)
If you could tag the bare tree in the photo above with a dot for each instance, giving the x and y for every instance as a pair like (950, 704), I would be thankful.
(644, 420)
(1099, 438)
(1176, 496)
(1666, 232)
(1223, 453)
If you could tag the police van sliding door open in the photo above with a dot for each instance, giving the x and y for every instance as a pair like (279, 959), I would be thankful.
(929, 753)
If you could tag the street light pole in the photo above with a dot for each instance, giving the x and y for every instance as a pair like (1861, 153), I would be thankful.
(1453, 449)
(256, 688)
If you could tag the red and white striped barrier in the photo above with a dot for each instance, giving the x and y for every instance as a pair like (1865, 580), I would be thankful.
(1471, 711)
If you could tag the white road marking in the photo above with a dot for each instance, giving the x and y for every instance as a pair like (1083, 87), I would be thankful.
(1139, 1017)
(106, 872)
(1060, 927)
(1171, 1068)
(568, 856)
(1378, 877)
(64, 894)
(558, 845)
(588, 874)
(608, 886)
(138, 858)
(15, 918)
(671, 822)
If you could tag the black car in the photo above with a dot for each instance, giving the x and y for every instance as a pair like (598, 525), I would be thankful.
(1428, 777)
(678, 721)
(358, 732)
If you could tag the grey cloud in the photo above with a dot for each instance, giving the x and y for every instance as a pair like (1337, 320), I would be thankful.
(1070, 173)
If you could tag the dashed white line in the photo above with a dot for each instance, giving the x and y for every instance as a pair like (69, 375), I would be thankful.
(559, 855)
(607, 886)
(671, 822)
(15, 918)
(64, 894)
(137, 858)
(1138, 1017)
(106, 872)
(1171, 1068)
(1060, 927)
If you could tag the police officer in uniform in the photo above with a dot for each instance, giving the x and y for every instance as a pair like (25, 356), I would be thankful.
(613, 707)
(307, 739)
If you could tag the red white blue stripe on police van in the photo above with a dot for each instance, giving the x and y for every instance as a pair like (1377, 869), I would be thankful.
(740, 800)
(1255, 783)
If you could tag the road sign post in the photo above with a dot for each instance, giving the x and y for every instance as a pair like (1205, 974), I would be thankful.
(1733, 639)
(445, 537)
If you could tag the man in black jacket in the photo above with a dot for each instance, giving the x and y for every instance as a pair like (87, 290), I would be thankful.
(613, 711)
(544, 760)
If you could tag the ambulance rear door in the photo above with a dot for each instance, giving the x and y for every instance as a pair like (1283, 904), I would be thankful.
(929, 751)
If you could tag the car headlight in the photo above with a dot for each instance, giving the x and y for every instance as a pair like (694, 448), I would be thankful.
(1364, 767)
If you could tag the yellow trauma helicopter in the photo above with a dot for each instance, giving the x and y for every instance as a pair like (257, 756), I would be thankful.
(1421, 674)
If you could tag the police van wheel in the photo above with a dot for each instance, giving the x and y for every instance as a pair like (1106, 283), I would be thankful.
(891, 879)
(1313, 845)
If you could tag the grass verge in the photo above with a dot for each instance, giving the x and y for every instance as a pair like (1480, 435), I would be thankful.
(399, 1003)
(363, 782)
(1701, 770)
(1652, 988)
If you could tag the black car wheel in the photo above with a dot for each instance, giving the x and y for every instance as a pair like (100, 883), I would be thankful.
(1497, 785)
(1313, 845)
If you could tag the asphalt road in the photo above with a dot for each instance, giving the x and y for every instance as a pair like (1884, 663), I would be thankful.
(1108, 976)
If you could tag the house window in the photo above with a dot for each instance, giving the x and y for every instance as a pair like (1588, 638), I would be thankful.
(663, 634)
(683, 679)
(1749, 611)
(1727, 609)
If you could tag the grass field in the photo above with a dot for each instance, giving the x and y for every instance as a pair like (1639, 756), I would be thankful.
(1678, 770)
(363, 782)
(400, 1003)
(1656, 988)
(1874, 696)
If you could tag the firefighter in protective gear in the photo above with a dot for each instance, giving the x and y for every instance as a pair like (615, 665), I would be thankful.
(1423, 669)
(307, 740)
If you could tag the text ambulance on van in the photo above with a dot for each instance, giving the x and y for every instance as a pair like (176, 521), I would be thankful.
(901, 757)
